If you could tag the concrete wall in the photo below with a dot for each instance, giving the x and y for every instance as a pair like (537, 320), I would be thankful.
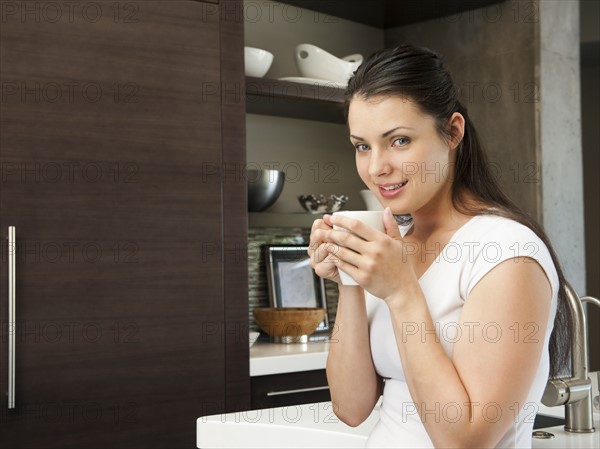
(491, 53)
(517, 65)
(560, 135)
(590, 117)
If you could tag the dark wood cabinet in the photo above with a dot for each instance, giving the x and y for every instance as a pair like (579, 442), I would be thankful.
(131, 318)
(289, 389)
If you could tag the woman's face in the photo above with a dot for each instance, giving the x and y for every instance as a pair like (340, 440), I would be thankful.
(399, 154)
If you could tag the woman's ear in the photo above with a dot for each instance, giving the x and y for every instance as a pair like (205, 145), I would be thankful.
(457, 129)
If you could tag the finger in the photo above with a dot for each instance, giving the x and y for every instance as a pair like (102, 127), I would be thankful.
(346, 239)
(315, 235)
(320, 236)
(320, 254)
(346, 255)
(390, 225)
(320, 224)
(347, 267)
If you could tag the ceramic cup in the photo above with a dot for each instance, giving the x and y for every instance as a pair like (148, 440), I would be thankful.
(373, 219)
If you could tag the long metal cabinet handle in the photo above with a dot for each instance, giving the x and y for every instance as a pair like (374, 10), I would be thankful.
(12, 323)
(299, 390)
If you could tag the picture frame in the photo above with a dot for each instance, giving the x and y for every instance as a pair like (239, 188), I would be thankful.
(292, 281)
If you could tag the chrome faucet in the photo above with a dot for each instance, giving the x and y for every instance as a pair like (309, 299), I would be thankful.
(575, 392)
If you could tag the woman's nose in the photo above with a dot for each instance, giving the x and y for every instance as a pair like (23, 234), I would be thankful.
(378, 163)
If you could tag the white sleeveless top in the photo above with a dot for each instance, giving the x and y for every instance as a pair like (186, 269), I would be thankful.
(477, 247)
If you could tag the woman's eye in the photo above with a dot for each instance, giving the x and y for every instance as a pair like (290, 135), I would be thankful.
(361, 147)
(400, 141)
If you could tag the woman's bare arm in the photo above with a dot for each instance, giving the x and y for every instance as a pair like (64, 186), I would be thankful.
(471, 399)
(354, 385)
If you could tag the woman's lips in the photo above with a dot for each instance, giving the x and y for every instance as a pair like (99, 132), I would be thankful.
(392, 191)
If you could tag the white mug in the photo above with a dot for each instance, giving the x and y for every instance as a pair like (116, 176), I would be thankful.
(371, 218)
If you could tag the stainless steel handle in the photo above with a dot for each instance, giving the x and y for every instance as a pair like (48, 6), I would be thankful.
(299, 390)
(12, 334)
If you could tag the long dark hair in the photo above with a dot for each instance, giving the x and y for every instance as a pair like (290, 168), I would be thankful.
(419, 74)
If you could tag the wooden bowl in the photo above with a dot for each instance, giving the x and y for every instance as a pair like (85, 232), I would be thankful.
(289, 321)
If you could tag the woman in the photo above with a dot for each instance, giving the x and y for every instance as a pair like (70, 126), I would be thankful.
(454, 313)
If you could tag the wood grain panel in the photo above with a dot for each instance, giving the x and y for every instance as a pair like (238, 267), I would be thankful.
(235, 215)
(106, 128)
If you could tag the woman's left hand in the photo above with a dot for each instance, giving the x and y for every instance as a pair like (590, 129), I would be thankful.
(376, 260)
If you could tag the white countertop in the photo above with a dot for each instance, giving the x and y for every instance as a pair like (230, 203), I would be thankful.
(278, 358)
(315, 425)
(566, 440)
(272, 358)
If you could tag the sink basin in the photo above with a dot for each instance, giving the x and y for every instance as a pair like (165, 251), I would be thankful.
(296, 426)
(542, 421)
(254, 435)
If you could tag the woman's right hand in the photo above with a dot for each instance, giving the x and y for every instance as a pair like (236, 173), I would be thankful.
(317, 250)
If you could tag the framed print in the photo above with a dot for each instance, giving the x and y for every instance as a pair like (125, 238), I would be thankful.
(292, 281)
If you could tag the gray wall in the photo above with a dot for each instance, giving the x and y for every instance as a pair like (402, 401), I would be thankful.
(492, 58)
(590, 117)
(517, 65)
(560, 135)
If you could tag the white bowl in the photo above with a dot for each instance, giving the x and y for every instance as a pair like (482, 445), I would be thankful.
(257, 62)
(371, 200)
(314, 62)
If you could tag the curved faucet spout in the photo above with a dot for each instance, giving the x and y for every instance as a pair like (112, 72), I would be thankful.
(575, 392)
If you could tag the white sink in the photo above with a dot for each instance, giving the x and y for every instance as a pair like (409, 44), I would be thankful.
(256, 435)
(300, 426)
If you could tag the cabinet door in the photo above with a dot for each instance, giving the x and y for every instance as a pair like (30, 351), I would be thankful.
(279, 390)
(105, 130)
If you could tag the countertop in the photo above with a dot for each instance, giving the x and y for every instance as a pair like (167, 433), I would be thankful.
(315, 425)
(277, 358)
(272, 358)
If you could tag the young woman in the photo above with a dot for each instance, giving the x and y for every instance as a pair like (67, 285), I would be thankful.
(454, 313)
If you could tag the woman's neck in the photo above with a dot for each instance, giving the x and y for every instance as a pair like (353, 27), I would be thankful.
(437, 217)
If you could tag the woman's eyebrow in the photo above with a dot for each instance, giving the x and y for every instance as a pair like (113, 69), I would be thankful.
(385, 134)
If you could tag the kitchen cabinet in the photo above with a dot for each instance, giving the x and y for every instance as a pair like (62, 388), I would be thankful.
(278, 390)
(131, 306)
(288, 374)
